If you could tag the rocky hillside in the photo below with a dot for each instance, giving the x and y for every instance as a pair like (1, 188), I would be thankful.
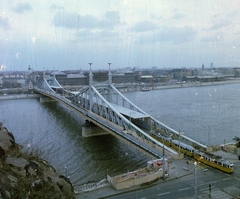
(25, 176)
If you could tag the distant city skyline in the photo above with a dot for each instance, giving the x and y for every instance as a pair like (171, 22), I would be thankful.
(67, 35)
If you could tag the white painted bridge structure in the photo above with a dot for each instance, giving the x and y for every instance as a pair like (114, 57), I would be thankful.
(106, 107)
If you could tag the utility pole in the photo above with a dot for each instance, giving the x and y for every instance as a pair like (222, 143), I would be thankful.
(179, 142)
(163, 160)
(179, 134)
(195, 175)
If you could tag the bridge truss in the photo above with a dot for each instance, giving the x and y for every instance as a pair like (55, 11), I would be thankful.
(105, 106)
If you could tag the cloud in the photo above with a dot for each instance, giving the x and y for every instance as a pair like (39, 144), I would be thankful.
(22, 7)
(234, 13)
(176, 34)
(144, 26)
(74, 20)
(220, 24)
(213, 38)
(55, 7)
(178, 16)
(4, 23)
(237, 33)
(112, 16)
(85, 36)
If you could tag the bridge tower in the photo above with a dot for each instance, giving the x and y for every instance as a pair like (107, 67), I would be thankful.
(109, 74)
(110, 83)
(90, 85)
(90, 75)
(89, 129)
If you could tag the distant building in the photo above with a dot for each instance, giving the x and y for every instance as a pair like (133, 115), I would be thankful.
(76, 79)
(13, 81)
(61, 77)
(203, 78)
(98, 76)
(70, 79)
(29, 70)
(211, 65)
(147, 78)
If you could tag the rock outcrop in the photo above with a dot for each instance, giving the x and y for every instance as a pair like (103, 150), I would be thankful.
(25, 176)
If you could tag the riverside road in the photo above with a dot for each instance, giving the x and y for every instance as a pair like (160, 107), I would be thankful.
(222, 186)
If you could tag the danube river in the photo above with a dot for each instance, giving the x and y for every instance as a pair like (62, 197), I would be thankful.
(209, 114)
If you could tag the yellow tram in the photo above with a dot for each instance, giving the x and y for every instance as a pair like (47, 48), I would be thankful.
(203, 157)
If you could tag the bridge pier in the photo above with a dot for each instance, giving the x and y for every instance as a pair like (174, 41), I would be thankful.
(89, 129)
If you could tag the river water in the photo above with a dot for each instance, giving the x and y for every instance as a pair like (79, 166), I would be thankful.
(209, 114)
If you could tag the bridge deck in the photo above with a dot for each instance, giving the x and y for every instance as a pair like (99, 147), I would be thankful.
(130, 113)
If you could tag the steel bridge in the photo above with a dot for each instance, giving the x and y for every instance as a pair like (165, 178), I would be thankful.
(106, 107)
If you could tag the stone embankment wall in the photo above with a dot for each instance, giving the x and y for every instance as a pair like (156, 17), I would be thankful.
(18, 96)
(131, 179)
(25, 176)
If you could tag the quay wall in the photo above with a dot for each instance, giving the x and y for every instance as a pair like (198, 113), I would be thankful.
(134, 180)
(132, 88)
(18, 96)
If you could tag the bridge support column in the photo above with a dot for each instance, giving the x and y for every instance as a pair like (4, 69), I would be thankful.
(89, 129)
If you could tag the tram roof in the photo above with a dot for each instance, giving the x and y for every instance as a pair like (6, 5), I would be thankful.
(183, 145)
(128, 112)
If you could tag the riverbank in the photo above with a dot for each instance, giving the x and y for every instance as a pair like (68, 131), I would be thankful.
(26, 175)
(128, 88)
(18, 96)
(177, 169)
(197, 84)
(134, 88)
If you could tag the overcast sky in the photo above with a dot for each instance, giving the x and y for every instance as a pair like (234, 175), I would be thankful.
(68, 34)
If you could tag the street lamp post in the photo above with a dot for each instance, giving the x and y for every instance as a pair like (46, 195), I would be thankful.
(163, 159)
(179, 142)
(195, 176)
(179, 134)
